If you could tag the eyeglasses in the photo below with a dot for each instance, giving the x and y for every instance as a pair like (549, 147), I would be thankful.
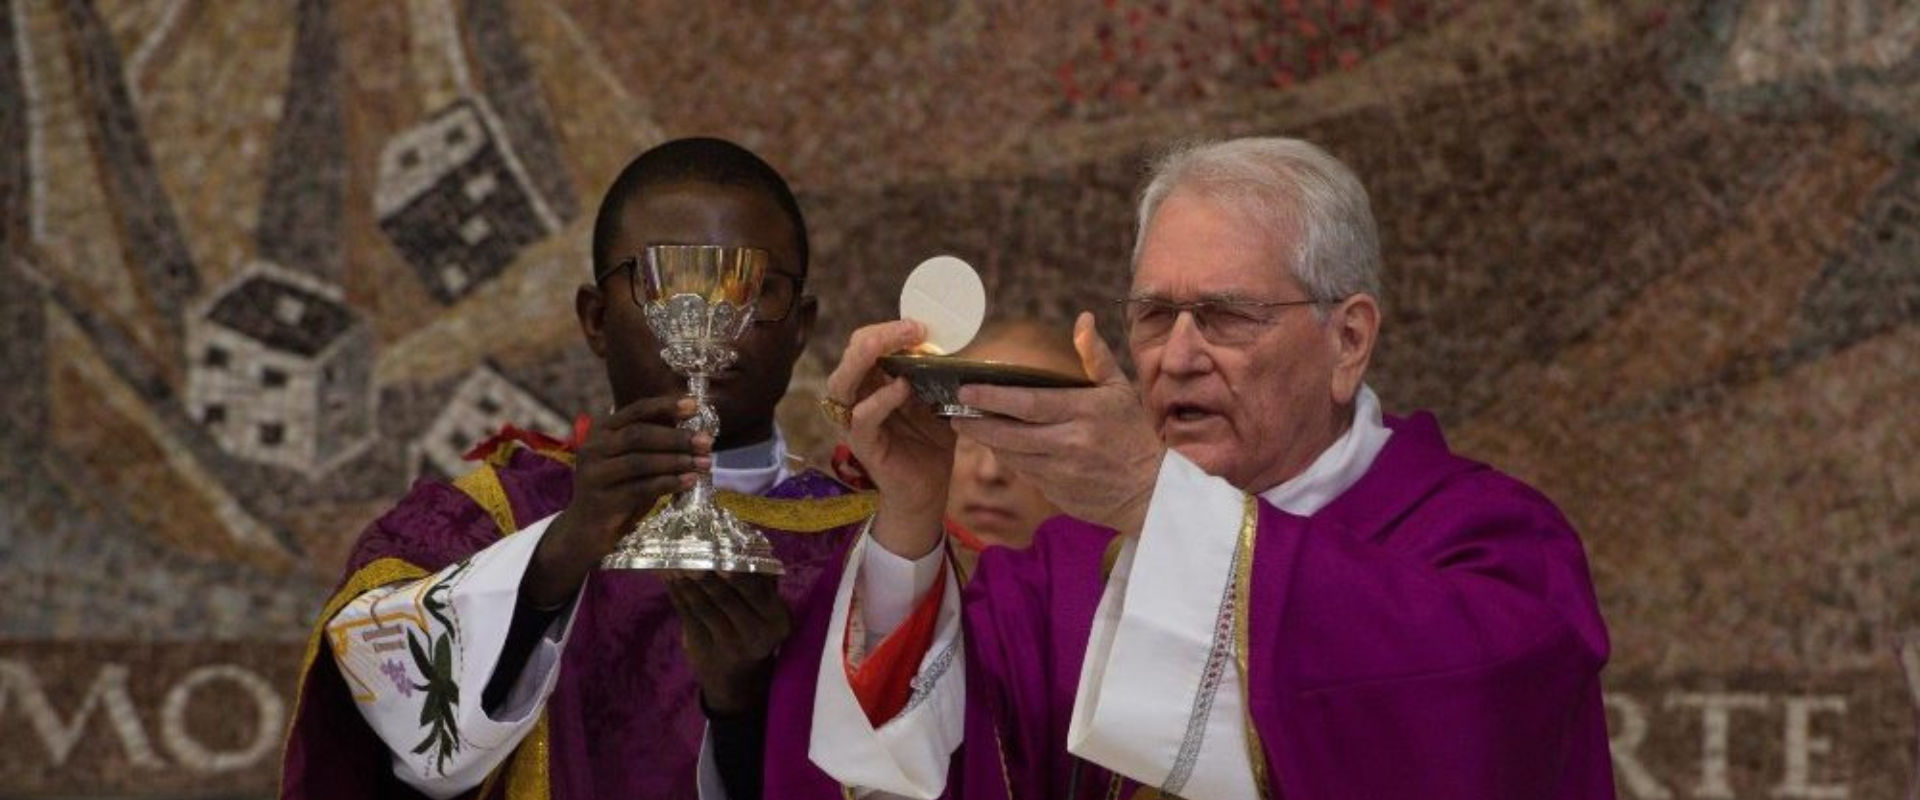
(1224, 323)
(779, 292)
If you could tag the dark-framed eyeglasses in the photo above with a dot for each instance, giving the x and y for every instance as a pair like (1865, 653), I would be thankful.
(1225, 323)
(779, 291)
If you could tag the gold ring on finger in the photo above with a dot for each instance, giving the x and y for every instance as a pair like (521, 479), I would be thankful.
(838, 413)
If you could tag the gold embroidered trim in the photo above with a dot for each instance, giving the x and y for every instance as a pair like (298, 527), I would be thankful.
(799, 516)
(493, 779)
(810, 515)
(525, 770)
(503, 454)
(1242, 592)
(372, 576)
(813, 515)
(562, 456)
(527, 778)
(483, 485)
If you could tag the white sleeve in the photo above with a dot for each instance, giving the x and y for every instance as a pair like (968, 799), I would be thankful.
(1159, 698)
(908, 755)
(426, 650)
(890, 588)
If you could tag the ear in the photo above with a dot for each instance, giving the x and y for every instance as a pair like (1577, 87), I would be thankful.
(590, 305)
(808, 310)
(1352, 329)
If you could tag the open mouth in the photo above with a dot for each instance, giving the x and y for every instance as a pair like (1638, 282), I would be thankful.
(1188, 412)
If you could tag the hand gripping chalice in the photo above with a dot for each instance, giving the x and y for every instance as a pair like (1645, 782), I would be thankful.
(699, 299)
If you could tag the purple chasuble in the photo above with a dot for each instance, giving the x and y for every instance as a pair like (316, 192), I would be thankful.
(1432, 633)
(624, 718)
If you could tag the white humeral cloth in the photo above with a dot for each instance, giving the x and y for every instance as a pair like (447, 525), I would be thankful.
(372, 640)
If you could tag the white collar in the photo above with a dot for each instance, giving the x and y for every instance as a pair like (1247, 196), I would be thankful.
(1340, 466)
(755, 480)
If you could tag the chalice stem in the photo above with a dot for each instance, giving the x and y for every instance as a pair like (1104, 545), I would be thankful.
(704, 420)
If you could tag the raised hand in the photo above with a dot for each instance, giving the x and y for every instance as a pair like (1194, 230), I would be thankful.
(630, 459)
(905, 449)
(730, 625)
(1093, 452)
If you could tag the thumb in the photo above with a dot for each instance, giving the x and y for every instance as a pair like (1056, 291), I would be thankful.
(1095, 358)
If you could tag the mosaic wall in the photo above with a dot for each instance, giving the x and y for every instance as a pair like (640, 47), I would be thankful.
(265, 263)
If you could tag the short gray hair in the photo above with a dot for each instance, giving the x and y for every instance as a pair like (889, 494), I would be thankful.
(1287, 188)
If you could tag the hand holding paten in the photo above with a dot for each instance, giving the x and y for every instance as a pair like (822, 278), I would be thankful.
(905, 449)
(1093, 452)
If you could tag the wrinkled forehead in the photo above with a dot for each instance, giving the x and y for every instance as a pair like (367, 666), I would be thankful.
(1200, 246)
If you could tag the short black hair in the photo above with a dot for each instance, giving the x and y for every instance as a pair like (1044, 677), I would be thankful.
(697, 159)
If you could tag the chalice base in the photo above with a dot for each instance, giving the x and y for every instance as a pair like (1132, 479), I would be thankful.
(694, 536)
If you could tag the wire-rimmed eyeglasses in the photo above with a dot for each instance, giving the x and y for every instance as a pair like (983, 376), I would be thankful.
(779, 291)
(1225, 323)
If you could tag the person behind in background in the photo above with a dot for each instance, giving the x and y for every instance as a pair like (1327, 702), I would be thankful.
(987, 505)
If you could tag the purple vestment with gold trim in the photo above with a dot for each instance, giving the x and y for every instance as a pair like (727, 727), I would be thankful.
(624, 719)
(1431, 633)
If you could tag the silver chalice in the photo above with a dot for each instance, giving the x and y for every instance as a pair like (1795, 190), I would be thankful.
(698, 300)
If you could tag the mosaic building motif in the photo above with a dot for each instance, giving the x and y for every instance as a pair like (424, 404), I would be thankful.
(484, 401)
(280, 371)
(266, 264)
(456, 202)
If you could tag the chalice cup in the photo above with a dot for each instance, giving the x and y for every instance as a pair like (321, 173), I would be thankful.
(698, 300)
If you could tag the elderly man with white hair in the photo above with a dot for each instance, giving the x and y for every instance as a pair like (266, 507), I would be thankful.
(1267, 587)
